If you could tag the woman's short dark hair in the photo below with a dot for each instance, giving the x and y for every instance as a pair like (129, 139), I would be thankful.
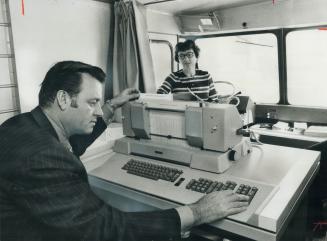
(183, 46)
(67, 76)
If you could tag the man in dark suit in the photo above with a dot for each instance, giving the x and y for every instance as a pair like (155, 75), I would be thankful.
(44, 189)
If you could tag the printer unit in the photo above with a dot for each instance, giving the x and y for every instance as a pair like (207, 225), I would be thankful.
(200, 135)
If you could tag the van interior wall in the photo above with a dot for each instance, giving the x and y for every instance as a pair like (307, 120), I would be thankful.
(160, 22)
(51, 31)
(162, 26)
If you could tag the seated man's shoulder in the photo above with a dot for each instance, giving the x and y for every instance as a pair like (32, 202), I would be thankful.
(25, 145)
(21, 136)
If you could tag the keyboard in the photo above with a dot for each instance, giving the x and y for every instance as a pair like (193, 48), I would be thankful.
(152, 171)
(204, 185)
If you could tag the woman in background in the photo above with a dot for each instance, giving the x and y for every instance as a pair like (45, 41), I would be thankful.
(190, 78)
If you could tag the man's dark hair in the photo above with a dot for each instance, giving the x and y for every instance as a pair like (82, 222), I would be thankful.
(183, 46)
(67, 76)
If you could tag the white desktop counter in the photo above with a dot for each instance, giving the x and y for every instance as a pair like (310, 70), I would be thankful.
(289, 170)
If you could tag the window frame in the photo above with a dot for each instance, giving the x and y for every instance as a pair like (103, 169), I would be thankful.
(280, 47)
(161, 41)
(171, 49)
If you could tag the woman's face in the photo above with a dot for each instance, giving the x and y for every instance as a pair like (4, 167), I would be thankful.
(187, 58)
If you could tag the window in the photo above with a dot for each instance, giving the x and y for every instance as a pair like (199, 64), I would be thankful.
(306, 52)
(250, 62)
(162, 57)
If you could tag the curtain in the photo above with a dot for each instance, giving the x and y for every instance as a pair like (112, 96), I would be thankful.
(144, 47)
(125, 58)
(132, 62)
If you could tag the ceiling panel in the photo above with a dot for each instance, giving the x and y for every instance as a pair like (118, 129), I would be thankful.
(194, 6)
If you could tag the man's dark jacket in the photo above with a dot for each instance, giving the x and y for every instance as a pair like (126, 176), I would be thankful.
(45, 194)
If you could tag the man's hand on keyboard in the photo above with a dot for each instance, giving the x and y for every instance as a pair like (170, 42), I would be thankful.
(217, 205)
